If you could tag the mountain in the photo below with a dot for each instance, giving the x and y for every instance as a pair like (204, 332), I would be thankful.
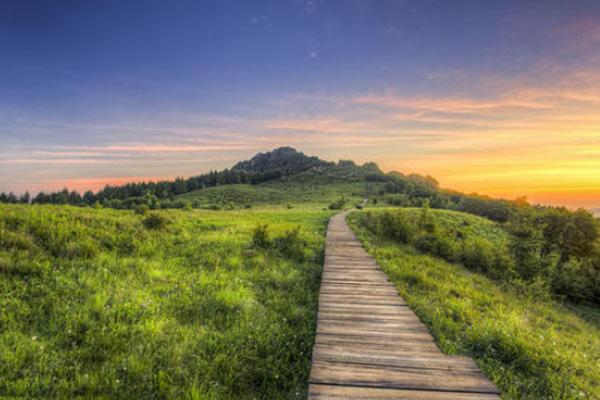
(280, 162)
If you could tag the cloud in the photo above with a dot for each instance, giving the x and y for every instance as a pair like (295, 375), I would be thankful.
(502, 136)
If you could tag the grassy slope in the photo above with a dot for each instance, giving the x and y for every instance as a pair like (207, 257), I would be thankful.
(95, 305)
(311, 188)
(531, 349)
(467, 224)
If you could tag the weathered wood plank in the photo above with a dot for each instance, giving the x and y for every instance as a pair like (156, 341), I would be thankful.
(367, 299)
(375, 342)
(376, 325)
(340, 290)
(422, 361)
(332, 392)
(400, 378)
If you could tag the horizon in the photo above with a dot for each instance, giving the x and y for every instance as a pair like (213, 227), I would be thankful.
(497, 99)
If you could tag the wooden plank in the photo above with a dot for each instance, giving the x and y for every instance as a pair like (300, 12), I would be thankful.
(376, 342)
(373, 351)
(354, 275)
(366, 318)
(340, 290)
(380, 326)
(333, 392)
(365, 309)
(332, 300)
(400, 378)
(366, 299)
(397, 336)
(422, 361)
(355, 282)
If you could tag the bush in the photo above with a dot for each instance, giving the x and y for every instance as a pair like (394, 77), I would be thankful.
(338, 204)
(155, 221)
(478, 256)
(445, 247)
(425, 242)
(394, 226)
(572, 280)
(260, 237)
(142, 209)
(291, 245)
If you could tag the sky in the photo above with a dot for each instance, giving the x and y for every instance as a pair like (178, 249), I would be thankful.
(495, 97)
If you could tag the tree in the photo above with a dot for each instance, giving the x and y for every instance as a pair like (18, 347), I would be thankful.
(25, 198)
(88, 197)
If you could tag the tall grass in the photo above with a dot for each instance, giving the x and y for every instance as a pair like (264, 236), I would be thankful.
(104, 304)
(530, 346)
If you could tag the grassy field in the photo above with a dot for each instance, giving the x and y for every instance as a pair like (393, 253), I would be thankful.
(529, 347)
(307, 189)
(468, 225)
(110, 304)
(275, 194)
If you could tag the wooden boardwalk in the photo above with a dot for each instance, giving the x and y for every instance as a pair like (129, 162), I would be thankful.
(370, 345)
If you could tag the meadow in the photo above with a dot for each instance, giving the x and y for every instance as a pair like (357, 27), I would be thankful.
(530, 345)
(206, 287)
(100, 303)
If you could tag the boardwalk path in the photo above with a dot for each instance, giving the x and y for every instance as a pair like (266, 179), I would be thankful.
(370, 345)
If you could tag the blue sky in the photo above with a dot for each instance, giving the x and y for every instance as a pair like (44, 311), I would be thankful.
(487, 96)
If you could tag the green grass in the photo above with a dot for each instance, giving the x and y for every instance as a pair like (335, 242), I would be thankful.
(312, 189)
(96, 305)
(451, 222)
(530, 348)
(275, 194)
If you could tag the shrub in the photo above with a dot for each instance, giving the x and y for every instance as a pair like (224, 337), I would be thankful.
(425, 242)
(426, 221)
(338, 204)
(477, 256)
(260, 237)
(291, 245)
(445, 247)
(394, 226)
(142, 209)
(155, 221)
(572, 280)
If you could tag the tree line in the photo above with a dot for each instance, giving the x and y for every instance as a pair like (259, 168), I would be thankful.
(162, 190)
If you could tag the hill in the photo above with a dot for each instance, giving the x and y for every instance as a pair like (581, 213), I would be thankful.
(315, 186)
(283, 161)
(281, 176)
